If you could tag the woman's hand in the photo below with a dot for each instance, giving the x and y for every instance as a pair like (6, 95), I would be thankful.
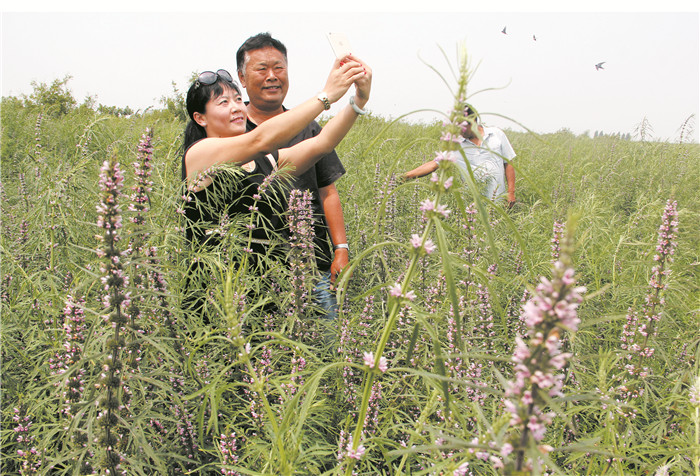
(344, 73)
(363, 84)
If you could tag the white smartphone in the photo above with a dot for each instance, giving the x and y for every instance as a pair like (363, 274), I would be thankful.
(340, 44)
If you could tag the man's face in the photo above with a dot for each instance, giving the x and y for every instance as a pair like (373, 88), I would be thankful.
(265, 78)
(473, 131)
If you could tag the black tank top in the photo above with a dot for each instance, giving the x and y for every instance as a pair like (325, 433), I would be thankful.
(233, 203)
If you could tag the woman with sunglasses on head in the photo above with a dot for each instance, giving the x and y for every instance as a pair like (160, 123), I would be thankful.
(216, 136)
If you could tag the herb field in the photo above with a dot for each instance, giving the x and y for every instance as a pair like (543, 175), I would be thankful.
(558, 337)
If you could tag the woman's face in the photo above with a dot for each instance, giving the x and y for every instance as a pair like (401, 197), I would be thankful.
(225, 115)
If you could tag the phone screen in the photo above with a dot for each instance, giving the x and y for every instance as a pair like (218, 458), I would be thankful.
(340, 44)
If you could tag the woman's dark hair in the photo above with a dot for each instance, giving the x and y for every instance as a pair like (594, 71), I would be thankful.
(261, 40)
(197, 98)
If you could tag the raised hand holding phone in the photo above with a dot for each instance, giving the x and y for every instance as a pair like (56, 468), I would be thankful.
(341, 48)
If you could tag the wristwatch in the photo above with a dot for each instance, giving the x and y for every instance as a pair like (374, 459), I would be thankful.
(323, 97)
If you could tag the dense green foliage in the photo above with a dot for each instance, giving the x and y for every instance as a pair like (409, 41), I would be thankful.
(292, 396)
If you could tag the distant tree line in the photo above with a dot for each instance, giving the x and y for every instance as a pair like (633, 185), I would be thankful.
(56, 100)
(613, 135)
(565, 131)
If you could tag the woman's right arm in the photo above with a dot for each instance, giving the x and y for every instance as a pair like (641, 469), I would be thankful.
(275, 132)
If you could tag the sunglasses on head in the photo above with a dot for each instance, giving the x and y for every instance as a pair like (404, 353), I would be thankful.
(209, 77)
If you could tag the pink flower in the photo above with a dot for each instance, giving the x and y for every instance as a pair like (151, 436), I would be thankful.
(443, 210)
(416, 240)
(506, 449)
(383, 366)
(522, 352)
(427, 205)
(532, 314)
(482, 455)
(368, 358)
(352, 453)
(537, 356)
(559, 361)
(537, 428)
(541, 379)
(395, 291)
(462, 470)
(446, 155)
(496, 461)
(695, 393)
(449, 137)
(640, 326)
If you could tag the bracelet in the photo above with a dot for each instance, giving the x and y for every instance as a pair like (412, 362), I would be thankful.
(356, 108)
(341, 245)
(323, 97)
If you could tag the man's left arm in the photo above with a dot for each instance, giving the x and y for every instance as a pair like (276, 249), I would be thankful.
(420, 171)
(333, 211)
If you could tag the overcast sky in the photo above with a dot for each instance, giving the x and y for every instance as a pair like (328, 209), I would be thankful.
(130, 57)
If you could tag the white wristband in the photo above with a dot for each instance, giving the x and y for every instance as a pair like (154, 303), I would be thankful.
(356, 108)
(341, 245)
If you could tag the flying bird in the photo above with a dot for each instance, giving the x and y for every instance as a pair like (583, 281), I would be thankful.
(504, 31)
(599, 66)
(534, 37)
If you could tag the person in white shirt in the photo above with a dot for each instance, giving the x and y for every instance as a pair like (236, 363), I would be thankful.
(489, 153)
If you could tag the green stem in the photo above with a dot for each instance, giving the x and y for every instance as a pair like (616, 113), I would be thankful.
(271, 416)
(649, 314)
(258, 385)
(393, 315)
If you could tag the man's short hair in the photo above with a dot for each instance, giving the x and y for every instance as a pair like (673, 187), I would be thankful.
(469, 112)
(261, 40)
